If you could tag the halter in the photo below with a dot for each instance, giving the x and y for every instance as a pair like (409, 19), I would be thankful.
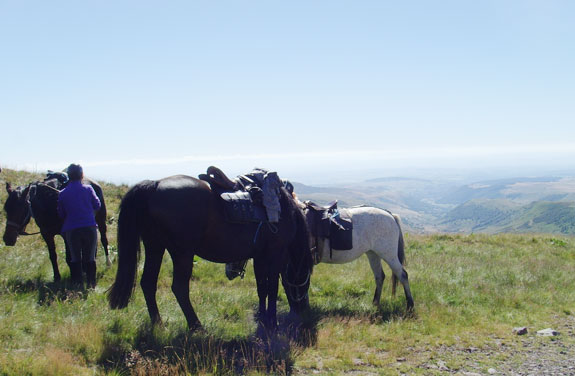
(20, 226)
(239, 268)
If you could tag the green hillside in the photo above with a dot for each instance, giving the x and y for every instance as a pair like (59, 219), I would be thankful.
(492, 216)
(479, 215)
(545, 217)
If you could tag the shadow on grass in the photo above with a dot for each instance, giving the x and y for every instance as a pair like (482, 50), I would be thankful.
(154, 351)
(64, 290)
(23, 286)
(48, 292)
(184, 352)
(380, 314)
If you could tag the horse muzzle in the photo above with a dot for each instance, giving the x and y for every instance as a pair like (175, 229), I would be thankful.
(10, 238)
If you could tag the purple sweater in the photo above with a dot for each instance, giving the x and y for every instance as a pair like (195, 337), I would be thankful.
(76, 205)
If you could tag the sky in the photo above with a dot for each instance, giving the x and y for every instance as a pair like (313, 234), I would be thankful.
(316, 90)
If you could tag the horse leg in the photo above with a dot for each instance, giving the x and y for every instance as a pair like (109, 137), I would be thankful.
(378, 274)
(273, 286)
(183, 264)
(104, 240)
(401, 275)
(49, 239)
(267, 279)
(149, 281)
(260, 272)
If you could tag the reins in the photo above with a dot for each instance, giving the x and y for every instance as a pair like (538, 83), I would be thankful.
(296, 286)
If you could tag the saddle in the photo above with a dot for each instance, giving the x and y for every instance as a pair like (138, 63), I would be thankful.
(216, 178)
(56, 179)
(327, 222)
(242, 198)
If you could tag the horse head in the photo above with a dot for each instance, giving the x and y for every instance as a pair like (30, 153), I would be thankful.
(296, 281)
(296, 276)
(18, 212)
(236, 269)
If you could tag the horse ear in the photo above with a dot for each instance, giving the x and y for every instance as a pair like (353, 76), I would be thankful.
(8, 188)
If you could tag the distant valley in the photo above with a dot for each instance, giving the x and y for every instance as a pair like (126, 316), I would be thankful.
(542, 204)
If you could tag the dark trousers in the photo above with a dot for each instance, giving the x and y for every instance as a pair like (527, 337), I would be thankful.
(82, 244)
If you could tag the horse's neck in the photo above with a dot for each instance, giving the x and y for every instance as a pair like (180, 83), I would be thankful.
(44, 205)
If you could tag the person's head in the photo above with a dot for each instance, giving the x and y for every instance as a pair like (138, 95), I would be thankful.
(75, 172)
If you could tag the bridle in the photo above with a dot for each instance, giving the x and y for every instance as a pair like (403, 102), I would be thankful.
(239, 268)
(20, 226)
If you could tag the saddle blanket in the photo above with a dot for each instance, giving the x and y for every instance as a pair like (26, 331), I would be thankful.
(239, 208)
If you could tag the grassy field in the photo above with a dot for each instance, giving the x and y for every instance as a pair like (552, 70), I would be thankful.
(469, 291)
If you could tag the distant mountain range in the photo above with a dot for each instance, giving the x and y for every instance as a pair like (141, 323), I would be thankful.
(523, 204)
(543, 204)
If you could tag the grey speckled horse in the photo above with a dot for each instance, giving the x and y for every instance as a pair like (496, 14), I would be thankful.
(376, 233)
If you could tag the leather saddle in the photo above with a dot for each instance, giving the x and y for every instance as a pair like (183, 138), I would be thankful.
(216, 178)
(241, 197)
(327, 222)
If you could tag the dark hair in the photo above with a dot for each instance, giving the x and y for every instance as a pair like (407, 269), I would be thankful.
(75, 172)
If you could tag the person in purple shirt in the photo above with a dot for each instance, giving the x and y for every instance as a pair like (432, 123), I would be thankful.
(76, 205)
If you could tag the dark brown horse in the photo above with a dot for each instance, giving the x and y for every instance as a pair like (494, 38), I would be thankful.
(40, 200)
(183, 215)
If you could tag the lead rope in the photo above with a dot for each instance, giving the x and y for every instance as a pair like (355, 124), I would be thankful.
(257, 232)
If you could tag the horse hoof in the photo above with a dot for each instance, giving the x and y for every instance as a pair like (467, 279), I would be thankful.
(410, 310)
(197, 328)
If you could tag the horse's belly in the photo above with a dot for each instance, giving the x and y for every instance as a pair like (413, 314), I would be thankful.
(339, 257)
(229, 243)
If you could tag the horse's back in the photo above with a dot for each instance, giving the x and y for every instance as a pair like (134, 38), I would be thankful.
(181, 204)
(98, 189)
(373, 226)
(177, 195)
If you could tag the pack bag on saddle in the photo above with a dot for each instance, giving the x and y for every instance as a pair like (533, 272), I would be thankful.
(253, 197)
(328, 222)
(56, 179)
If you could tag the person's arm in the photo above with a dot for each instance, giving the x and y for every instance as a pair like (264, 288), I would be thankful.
(96, 204)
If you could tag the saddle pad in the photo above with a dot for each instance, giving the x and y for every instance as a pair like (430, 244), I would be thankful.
(341, 230)
(239, 208)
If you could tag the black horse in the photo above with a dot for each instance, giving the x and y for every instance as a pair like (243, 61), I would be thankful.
(183, 215)
(40, 200)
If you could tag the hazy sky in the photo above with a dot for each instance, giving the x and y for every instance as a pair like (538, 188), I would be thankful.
(145, 89)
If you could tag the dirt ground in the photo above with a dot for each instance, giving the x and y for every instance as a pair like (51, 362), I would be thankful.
(537, 355)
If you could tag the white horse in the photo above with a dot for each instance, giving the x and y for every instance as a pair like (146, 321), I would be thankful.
(376, 233)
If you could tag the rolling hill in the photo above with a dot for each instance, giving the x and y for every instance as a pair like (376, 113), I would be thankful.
(500, 215)
(523, 204)
(542, 204)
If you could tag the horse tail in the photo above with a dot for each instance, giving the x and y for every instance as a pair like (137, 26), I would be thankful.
(400, 253)
(132, 209)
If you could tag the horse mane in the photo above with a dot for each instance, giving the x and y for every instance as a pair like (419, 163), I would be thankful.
(301, 240)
